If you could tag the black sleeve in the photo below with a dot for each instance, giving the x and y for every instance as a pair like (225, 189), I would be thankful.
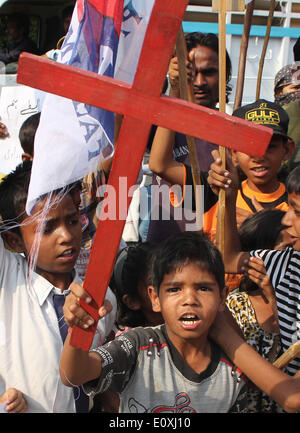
(118, 358)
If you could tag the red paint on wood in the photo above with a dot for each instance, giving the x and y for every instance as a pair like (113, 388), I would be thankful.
(157, 49)
(178, 115)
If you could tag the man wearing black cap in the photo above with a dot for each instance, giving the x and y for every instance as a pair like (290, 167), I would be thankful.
(260, 187)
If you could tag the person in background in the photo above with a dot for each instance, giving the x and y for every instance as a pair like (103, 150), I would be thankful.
(253, 305)
(286, 85)
(287, 93)
(17, 30)
(27, 134)
(203, 72)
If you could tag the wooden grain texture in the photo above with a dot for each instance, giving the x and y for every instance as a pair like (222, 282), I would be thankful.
(291, 353)
(231, 5)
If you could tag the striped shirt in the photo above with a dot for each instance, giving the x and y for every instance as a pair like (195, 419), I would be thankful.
(283, 268)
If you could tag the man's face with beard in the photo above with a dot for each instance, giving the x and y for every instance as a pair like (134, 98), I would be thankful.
(206, 82)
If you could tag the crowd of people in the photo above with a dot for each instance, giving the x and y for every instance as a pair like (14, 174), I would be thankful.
(182, 329)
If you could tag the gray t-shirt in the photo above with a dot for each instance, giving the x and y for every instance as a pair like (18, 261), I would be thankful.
(150, 375)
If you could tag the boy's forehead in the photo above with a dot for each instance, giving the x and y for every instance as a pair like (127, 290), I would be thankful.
(54, 206)
(183, 271)
(294, 199)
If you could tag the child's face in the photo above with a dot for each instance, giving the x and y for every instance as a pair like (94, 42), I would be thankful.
(292, 219)
(262, 172)
(60, 241)
(189, 299)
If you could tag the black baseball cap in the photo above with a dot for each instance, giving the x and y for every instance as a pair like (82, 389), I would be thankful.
(266, 113)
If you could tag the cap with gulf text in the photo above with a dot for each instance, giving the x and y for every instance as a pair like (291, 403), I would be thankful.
(266, 113)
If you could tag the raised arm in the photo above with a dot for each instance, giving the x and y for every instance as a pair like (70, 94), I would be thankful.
(78, 366)
(234, 258)
(278, 385)
(161, 159)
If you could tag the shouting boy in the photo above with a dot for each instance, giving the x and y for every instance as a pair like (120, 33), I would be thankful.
(173, 367)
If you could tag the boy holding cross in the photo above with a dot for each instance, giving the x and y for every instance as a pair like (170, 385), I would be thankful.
(186, 281)
(172, 367)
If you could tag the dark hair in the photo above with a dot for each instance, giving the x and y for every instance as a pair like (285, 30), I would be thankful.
(209, 40)
(185, 248)
(21, 20)
(131, 270)
(296, 50)
(67, 11)
(260, 231)
(13, 194)
(27, 132)
(293, 181)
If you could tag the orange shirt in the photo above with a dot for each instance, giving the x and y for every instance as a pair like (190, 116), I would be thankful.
(277, 200)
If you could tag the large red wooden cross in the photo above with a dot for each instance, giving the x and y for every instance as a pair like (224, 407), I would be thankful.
(142, 106)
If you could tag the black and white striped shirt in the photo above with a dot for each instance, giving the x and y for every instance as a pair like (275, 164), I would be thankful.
(283, 268)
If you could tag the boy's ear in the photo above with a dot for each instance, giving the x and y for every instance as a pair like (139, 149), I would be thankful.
(132, 304)
(14, 241)
(223, 295)
(154, 298)
(290, 148)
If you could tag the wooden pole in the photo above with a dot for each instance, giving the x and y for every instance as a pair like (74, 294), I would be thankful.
(288, 356)
(266, 41)
(186, 93)
(221, 6)
(243, 55)
(222, 108)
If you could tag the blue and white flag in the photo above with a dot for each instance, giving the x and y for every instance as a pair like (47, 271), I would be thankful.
(105, 36)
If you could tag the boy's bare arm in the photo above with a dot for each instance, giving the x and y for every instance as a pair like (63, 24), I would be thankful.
(78, 366)
(161, 159)
(278, 385)
(234, 258)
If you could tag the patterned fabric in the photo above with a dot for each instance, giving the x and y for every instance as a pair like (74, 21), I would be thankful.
(265, 343)
(284, 77)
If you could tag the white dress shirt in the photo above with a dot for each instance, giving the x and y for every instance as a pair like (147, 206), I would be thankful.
(30, 341)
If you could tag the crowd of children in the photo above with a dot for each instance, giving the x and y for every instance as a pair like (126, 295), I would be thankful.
(173, 336)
